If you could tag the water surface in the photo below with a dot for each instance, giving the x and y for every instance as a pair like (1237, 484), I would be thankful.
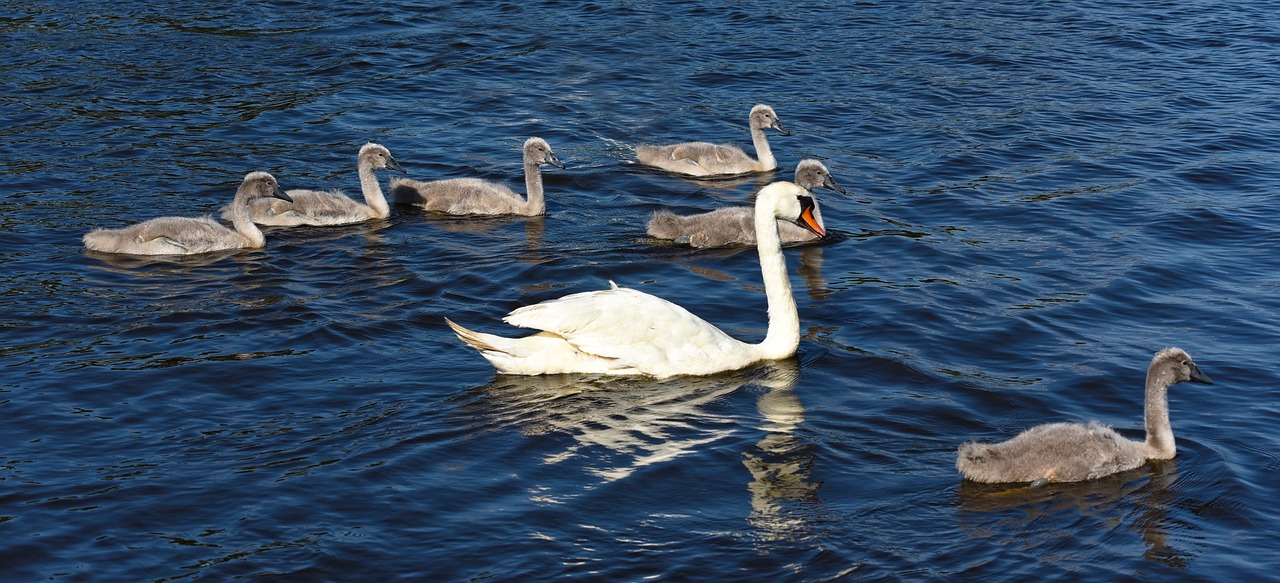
(1042, 196)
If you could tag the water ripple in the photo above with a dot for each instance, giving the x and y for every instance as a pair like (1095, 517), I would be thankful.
(1042, 196)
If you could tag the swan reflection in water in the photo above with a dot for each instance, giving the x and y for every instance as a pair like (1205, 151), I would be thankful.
(999, 511)
(124, 263)
(644, 421)
(781, 463)
(809, 268)
(498, 236)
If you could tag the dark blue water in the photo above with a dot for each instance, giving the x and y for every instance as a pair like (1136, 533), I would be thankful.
(1043, 195)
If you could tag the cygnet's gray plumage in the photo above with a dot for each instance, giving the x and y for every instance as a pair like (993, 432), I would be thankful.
(735, 225)
(191, 235)
(1072, 452)
(332, 207)
(707, 159)
(472, 196)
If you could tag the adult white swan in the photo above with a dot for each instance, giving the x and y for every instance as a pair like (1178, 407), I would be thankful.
(1071, 452)
(329, 207)
(192, 235)
(622, 331)
(707, 159)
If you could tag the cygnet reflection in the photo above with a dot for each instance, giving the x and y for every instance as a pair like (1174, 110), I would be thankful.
(1143, 498)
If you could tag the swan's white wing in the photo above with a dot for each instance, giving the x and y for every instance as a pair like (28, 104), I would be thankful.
(644, 331)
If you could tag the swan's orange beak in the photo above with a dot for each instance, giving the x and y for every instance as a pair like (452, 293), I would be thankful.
(807, 220)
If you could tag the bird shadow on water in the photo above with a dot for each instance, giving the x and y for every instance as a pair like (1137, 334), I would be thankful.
(125, 262)
(809, 261)
(617, 426)
(1141, 500)
(498, 229)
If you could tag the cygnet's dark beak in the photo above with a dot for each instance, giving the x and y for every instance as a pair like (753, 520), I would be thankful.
(1199, 377)
(279, 193)
(777, 125)
(553, 160)
(807, 220)
(393, 165)
(830, 184)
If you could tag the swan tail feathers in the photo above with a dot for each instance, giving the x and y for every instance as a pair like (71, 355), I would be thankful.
(972, 459)
(661, 156)
(473, 339)
(95, 240)
(541, 353)
(664, 225)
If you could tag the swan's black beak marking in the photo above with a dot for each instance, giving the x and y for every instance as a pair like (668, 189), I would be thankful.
(830, 184)
(1199, 377)
(807, 220)
(278, 192)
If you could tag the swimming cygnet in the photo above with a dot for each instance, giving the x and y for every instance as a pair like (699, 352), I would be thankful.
(472, 196)
(1071, 452)
(318, 208)
(734, 225)
(706, 159)
(191, 235)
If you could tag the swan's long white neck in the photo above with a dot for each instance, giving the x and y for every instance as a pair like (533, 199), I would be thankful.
(1160, 441)
(373, 191)
(763, 153)
(242, 220)
(783, 337)
(534, 205)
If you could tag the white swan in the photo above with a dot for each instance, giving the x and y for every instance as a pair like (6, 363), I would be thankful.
(1071, 452)
(622, 331)
(332, 207)
(734, 225)
(191, 235)
(706, 159)
(472, 196)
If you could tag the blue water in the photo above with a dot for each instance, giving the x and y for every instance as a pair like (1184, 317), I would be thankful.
(1042, 195)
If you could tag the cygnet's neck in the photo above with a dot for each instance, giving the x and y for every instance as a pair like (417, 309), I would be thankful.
(534, 204)
(242, 220)
(1160, 443)
(373, 197)
(783, 336)
(764, 155)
